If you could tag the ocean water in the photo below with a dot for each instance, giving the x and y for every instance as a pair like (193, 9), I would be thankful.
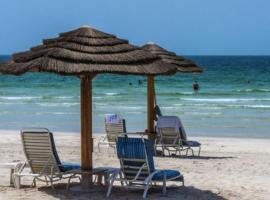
(234, 99)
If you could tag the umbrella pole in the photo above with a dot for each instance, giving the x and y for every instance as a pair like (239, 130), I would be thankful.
(86, 129)
(150, 106)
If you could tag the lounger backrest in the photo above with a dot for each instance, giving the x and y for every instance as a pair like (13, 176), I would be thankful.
(169, 136)
(135, 154)
(114, 130)
(40, 151)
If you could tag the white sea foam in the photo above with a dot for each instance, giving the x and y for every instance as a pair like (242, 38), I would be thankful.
(252, 90)
(66, 97)
(57, 104)
(65, 113)
(249, 106)
(128, 107)
(112, 93)
(225, 99)
(204, 114)
(19, 98)
(97, 97)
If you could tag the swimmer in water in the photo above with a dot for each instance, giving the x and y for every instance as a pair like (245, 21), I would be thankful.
(130, 83)
(140, 82)
(196, 86)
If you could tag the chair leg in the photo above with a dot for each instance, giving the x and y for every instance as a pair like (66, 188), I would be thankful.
(99, 148)
(17, 181)
(179, 150)
(183, 181)
(121, 177)
(46, 180)
(146, 188)
(163, 151)
(164, 184)
(52, 185)
(34, 183)
(110, 182)
(187, 151)
(68, 183)
(199, 151)
(11, 179)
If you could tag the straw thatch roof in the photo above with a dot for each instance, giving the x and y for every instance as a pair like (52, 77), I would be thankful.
(84, 51)
(183, 65)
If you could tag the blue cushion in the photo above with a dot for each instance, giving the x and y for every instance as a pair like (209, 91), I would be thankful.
(191, 143)
(169, 174)
(69, 166)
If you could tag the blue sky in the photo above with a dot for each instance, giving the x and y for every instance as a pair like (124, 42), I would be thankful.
(188, 27)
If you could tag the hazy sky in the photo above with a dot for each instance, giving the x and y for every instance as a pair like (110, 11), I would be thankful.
(188, 27)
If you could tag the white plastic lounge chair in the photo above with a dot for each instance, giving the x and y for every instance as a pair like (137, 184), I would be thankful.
(137, 166)
(113, 129)
(172, 137)
(169, 140)
(42, 158)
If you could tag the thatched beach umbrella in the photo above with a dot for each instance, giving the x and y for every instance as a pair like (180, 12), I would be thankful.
(86, 52)
(183, 65)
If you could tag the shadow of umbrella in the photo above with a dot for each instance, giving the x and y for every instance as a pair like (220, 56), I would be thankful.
(173, 192)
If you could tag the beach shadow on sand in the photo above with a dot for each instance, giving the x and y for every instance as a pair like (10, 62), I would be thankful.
(204, 157)
(118, 193)
(159, 155)
(198, 157)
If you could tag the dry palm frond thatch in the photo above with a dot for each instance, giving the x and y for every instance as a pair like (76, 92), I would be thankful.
(85, 51)
(183, 65)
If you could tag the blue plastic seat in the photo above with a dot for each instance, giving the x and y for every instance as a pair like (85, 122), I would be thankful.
(69, 166)
(169, 174)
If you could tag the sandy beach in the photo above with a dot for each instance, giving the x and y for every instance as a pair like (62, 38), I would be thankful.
(229, 168)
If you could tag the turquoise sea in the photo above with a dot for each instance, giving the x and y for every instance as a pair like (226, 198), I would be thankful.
(234, 99)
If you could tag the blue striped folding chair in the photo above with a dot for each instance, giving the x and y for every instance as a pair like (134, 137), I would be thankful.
(137, 166)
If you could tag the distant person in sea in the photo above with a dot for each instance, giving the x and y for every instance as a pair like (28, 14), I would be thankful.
(196, 86)
(130, 83)
(140, 82)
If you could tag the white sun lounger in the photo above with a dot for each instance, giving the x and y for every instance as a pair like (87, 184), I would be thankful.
(42, 159)
(113, 130)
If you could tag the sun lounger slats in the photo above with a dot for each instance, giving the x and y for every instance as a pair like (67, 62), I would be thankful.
(171, 140)
(42, 158)
(38, 147)
(113, 130)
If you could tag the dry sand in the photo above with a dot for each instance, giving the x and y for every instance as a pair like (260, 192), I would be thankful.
(227, 169)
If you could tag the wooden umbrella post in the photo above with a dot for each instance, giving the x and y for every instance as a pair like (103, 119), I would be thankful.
(150, 106)
(86, 129)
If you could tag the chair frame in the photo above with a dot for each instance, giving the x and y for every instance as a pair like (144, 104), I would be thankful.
(50, 165)
(112, 132)
(136, 181)
(177, 144)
